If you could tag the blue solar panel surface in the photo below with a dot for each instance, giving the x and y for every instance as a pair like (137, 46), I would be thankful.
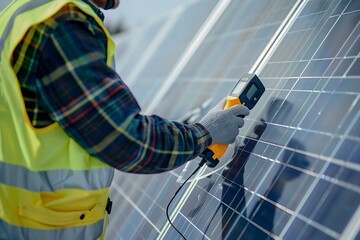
(294, 172)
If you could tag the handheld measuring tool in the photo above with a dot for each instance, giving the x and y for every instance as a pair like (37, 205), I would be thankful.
(247, 92)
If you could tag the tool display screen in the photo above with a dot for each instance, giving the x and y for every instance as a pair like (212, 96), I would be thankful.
(251, 92)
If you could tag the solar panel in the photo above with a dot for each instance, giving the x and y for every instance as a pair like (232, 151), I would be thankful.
(163, 51)
(142, 194)
(132, 45)
(294, 170)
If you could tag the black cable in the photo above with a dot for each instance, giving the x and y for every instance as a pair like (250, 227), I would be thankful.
(167, 208)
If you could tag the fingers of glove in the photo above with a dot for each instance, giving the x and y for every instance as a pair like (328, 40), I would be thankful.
(238, 110)
(228, 129)
(239, 122)
(228, 137)
(232, 137)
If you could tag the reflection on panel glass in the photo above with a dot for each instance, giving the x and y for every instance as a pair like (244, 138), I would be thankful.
(145, 80)
(130, 46)
(227, 53)
(294, 171)
(141, 198)
(290, 178)
(139, 205)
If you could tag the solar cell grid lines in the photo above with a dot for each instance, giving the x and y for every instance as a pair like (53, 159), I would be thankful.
(294, 172)
(170, 42)
(323, 111)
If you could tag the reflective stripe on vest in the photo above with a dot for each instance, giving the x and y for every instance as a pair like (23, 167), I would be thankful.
(8, 231)
(47, 181)
(51, 210)
(50, 187)
(25, 7)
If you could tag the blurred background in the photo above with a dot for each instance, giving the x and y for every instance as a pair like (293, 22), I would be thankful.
(132, 13)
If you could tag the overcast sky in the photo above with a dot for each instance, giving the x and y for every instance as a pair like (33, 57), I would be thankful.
(134, 12)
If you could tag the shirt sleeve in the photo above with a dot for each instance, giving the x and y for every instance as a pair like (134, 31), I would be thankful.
(93, 105)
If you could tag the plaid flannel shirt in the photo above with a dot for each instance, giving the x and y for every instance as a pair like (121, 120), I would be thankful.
(61, 66)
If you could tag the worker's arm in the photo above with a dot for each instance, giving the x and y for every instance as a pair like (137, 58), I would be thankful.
(93, 105)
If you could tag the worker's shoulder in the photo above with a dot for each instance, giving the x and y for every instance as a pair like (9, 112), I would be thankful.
(70, 14)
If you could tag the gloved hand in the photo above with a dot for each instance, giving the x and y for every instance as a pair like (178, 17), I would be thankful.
(223, 124)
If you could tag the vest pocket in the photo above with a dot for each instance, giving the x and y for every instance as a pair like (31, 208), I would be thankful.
(57, 218)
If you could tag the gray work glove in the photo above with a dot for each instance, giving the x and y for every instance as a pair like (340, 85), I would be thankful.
(223, 124)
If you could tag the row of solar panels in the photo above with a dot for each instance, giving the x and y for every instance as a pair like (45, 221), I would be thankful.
(294, 172)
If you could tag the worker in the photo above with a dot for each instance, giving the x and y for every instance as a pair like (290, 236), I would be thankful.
(67, 120)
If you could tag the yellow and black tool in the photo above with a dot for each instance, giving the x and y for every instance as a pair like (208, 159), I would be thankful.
(247, 92)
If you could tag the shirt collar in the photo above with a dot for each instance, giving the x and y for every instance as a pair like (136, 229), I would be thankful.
(96, 9)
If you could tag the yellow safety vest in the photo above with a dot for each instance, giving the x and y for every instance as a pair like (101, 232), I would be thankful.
(50, 187)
